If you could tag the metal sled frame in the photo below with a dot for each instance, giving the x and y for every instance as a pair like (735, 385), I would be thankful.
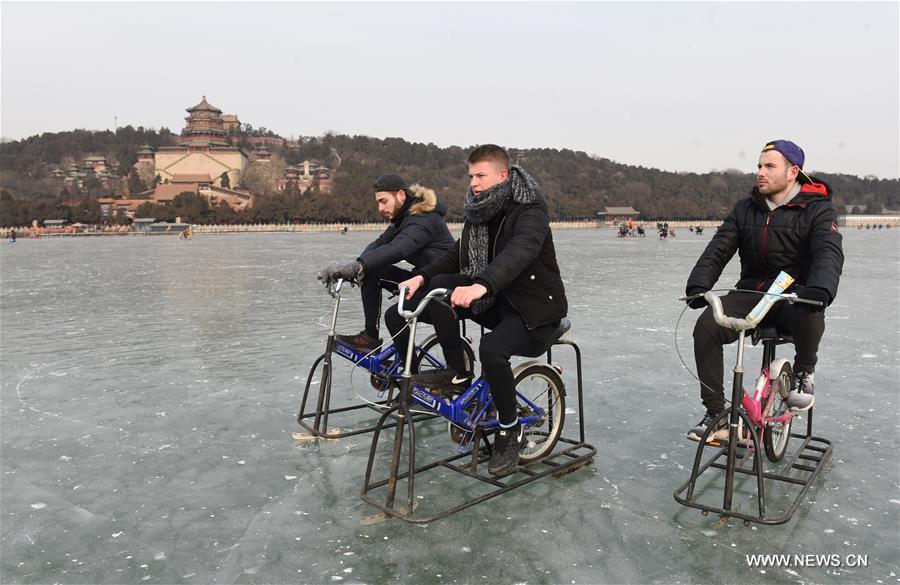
(318, 428)
(810, 458)
(574, 454)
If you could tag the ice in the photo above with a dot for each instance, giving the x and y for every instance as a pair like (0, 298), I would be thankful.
(220, 336)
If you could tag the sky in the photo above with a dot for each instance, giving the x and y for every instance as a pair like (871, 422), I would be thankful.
(679, 86)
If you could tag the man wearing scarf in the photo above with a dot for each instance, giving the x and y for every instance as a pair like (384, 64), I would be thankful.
(504, 276)
(417, 234)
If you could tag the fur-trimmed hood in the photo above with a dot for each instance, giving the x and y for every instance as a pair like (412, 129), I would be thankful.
(417, 234)
(426, 200)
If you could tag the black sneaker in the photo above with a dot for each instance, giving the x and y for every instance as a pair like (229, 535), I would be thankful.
(720, 433)
(446, 381)
(361, 341)
(507, 443)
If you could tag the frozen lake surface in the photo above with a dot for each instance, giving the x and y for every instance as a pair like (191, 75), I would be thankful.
(150, 387)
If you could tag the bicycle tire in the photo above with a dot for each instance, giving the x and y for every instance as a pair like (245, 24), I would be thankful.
(777, 435)
(540, 384)
(432, 353)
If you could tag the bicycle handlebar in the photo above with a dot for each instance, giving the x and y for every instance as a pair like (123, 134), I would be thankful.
(755, 316)
(334, 289)
(434, 293)
(733, 322)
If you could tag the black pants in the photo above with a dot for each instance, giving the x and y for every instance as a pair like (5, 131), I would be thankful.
(805, 326)
(508, 336)
(385, 278)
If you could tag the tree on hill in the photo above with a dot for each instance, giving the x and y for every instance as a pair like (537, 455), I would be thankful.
(148, 209)
(87, 211)
(135, 183)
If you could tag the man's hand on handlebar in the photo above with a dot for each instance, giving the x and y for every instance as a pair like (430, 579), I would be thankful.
(696, 302)
(411, 285)
(812, 293)
(464, 296)
(333, 272)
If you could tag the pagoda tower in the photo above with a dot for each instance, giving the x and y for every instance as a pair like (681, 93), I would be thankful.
(145, 154)
(202, 163)
(205, 127)
(263, 154)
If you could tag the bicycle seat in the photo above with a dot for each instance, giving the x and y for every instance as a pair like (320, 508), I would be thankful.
(564, 326)
(561, 329)
(770, 333)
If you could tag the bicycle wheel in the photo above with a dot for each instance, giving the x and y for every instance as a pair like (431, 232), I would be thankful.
(431, 357)
(776, 435)
(540, 386)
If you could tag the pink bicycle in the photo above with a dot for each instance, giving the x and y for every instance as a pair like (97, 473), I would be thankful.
(763, 416)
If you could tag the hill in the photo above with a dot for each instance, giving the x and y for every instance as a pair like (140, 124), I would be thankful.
(576, 184)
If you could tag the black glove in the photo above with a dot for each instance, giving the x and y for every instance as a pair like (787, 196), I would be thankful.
(333, 272)
(812, 293)
(699, 302)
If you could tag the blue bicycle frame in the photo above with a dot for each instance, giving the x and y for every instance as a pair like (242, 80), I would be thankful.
(472, 410)
(383, 364)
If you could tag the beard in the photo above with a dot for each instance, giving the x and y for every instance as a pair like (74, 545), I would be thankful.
(771, 187)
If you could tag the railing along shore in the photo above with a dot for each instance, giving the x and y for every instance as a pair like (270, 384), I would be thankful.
(650, 225)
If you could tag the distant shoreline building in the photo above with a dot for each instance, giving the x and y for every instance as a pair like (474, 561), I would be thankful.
(618, 214)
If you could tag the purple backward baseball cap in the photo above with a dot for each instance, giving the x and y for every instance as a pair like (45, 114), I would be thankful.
(791, 151)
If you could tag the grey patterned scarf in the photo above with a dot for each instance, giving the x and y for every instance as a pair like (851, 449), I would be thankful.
(481, 209)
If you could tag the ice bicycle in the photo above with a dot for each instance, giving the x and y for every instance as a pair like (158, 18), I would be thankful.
(471, 416)
(382, 367)
(760, 419)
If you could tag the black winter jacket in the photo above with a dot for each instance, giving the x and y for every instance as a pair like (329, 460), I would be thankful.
(800, 238)
(418, 234)
(521, 263)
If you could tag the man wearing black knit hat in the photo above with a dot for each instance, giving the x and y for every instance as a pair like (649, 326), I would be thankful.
(504, 274)
(788, 223)
(417, 234)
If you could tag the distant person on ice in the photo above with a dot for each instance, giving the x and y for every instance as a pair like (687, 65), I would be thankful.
(417, 234)
(787, 223)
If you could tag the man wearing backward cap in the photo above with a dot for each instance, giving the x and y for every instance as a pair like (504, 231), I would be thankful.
(788, 223)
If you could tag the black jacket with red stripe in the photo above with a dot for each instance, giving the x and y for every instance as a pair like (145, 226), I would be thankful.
(800, 238)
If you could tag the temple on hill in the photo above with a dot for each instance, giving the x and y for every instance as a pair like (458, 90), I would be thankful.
(310, 175)
(202, 163)
(203, 149)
